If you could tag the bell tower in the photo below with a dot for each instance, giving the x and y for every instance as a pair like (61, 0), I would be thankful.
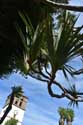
(18, 109)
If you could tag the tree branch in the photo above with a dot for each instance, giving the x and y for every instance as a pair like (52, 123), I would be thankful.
(47, 70)
(78, 72)
(65, 93)
(37, 78)
(39, 67)
(50, 89)
(50, 81)
(63, 6)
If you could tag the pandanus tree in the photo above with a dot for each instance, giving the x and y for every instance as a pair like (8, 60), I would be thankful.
(45, 47)
(35, 10)
(10, 45)
(40, 46)
(16, 91)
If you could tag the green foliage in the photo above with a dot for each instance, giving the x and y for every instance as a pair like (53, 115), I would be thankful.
(67, 46)
(66, 113)
(60, 18)
(33, 41)
(70, 113)
(62, 112)
(17, 91)
(12, 121)
(44, 46)
(73, 91)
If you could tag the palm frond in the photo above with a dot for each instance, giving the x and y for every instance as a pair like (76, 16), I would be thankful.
(69, 113)
(62, 112)
(17, 91)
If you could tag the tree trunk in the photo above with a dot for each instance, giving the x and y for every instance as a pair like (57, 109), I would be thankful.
(7, 109)
(61, 121)
(69, 123)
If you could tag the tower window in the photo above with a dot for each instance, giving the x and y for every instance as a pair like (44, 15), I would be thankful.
(21, 99)
(16, 102)
(20, 104)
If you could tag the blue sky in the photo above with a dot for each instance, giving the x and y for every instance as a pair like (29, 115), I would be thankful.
(41, 108)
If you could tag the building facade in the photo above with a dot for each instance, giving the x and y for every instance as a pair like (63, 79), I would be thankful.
(17, 111)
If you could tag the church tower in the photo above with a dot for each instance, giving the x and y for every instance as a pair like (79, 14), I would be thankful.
(17, 111)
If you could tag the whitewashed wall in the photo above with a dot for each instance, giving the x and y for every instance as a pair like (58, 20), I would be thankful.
(15, 110)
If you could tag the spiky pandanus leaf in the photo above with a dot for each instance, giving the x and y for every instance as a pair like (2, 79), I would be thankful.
(33, 41)
(37, 41)
(73, 91)
(67, 45)
(50, 50)
(27, 22)
(60, 50)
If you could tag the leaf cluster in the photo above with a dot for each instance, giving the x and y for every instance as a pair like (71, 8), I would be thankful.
(66, 113)
(12, 121)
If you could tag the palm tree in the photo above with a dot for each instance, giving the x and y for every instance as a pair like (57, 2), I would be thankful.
(62, 113)
(69, 116)
(66, 114)
(16, 91)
